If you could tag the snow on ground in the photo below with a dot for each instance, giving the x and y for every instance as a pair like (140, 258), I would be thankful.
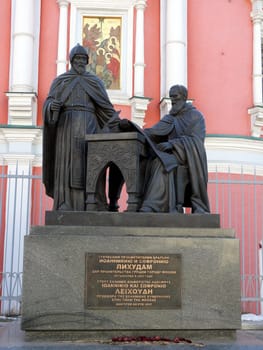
(252, 317)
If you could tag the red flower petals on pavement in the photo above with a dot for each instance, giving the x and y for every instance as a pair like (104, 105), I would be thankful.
(126, 339)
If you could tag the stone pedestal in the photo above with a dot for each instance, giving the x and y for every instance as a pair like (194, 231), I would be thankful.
(131, 274)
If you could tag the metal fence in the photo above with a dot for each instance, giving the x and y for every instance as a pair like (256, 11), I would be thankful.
(236, 194)
(22, 203)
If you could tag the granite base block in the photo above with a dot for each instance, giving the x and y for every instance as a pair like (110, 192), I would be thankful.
(54, 283)
(131, 219)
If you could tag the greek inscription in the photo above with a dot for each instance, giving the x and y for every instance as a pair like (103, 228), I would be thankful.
(133, 281)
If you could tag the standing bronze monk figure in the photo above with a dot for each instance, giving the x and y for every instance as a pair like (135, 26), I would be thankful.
(179, 139)
(77, 104)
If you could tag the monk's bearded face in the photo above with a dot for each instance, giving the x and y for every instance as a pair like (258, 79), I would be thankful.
(79, 63)
(178, 101)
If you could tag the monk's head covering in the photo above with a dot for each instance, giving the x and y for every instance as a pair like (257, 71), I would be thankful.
(78, 50)
(181, 89)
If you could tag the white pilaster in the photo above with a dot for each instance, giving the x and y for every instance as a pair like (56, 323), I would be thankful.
(139, 49)
(24, 61)
(173, 47)
(257, 18)
(62, 36)
(23, 45)
(256, 111)
(176, 43)
(139, 103)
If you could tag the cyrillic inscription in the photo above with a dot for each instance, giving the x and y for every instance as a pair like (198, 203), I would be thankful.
(133, 281)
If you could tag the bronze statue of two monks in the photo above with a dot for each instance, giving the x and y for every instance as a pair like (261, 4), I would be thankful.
(78, 104)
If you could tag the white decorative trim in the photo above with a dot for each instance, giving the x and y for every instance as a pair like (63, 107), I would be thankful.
(106, 4)
(256, 121)
(234, 151)
(63, 2)
(20, 135)
(234, 143)
(21, 159)
(20, 142)
(140, 3)
(62, 36)
(22, 108)
(139, 107)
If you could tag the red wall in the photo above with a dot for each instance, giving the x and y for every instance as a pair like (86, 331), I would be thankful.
(220, 63)
(152, 61)
(5, 20)
(47, 51)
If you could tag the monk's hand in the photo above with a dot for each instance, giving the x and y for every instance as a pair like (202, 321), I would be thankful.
(165, 146)
(55, 106)
(125, 125)
(113, 125)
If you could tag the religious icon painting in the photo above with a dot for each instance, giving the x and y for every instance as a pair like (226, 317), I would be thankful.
(102, 38)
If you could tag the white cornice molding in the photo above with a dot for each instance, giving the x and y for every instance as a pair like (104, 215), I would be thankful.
(63, 2)
(257, 13)
(14, 159)
(20, 135)
(234, 143)
(20, 142)
(234, 155)
(140, 4)
(106, 4)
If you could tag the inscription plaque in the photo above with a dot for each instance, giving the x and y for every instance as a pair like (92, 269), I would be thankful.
(133, 281)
